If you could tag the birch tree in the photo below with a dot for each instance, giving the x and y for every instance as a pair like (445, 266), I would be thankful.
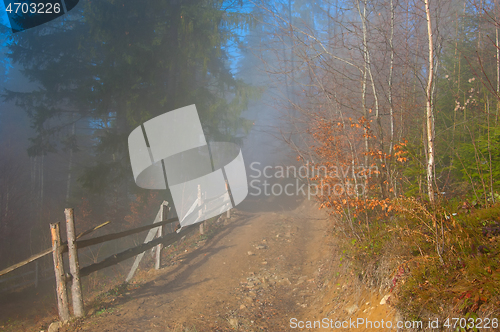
(429, 108)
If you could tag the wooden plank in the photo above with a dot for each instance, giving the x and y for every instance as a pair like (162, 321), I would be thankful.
(62, 295)
(26, 261)
(149, 237)
(47, 251)
(90, 242)
(161, 230)
(74, 266)
(88, 231)
(129, 253)
(86, 243)
(159, 247)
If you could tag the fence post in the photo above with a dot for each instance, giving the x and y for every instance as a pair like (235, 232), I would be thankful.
(149, 237)
(159, 247)
(62, 295)
(228, 213)
(74, 266)
(202, 230)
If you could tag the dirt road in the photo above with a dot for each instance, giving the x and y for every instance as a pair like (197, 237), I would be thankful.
(259, 271)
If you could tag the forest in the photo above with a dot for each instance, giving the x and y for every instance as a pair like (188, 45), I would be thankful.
(396, 102)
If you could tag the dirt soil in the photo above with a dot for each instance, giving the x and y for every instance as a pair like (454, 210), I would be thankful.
(257, 272)
(346, 302)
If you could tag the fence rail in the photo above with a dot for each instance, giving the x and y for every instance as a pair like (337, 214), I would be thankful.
(155, 238)
(47, 251)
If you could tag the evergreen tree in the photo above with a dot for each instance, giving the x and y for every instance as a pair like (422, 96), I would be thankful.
(114, 64)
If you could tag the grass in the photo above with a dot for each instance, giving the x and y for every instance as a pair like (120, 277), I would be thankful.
(437, 262)
(468, 277)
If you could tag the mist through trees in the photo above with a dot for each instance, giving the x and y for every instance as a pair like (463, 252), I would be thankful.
(407, 90)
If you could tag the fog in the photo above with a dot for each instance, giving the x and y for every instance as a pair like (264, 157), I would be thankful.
(117, 108)
(74, 88)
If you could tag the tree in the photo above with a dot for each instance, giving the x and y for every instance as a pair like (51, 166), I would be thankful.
(111, 65)
(429, 107)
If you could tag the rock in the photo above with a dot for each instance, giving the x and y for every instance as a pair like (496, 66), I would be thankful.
(260, 247)
(242, 307)
(385, 298)
(54, 327)
(352, 309)
(250, 253)
(264, 263)
(233, 322)
(301, 280)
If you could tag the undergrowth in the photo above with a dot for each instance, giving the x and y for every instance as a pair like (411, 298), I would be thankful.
(440, 261)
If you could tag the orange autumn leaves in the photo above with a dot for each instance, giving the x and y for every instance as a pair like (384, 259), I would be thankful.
(363, 182)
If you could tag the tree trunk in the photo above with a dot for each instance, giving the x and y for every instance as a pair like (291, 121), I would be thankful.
(498, 65)
(70, 165)
(391, 109)
(429, 110)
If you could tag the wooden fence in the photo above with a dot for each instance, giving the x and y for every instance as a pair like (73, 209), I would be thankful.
(156, 239)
